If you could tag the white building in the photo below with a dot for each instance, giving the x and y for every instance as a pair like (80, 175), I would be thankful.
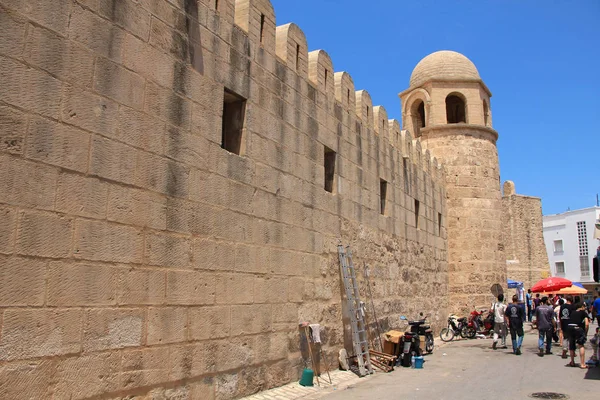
(571, 245)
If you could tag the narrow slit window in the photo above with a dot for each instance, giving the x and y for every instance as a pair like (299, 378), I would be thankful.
(382, 195)
(326, 75)
(348, 97)
(297, 57)
(367, 111)
(217, 5)
(262, 26)
(329, 161)
(417, 205)
(439, 224)
(234, 110)
(406, 177)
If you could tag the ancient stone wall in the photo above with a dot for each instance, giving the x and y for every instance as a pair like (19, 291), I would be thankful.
(526, 257)
(140, 258)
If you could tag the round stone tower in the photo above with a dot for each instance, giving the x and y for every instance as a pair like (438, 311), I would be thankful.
(447, 107)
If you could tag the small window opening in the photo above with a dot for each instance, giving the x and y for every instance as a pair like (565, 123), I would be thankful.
(217, 5)
(262, 26)
(382, 195)
(455, 110)
(439, 224)
(326, 75)
(348, 97)
(329, 161)
(406, 177)
(417, 205)
(486, 113)
(418, 117)
(367, 111)
(234, 110)
(297, 57)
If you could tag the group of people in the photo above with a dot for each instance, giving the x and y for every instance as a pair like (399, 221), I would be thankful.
(564, 319)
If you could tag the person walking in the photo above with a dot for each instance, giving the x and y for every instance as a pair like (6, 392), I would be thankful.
(579, 324)
(514, 320)
(596, 309)
(557, 319)
(565, 315)
(529, 304)
(544, 316)
(499, 308)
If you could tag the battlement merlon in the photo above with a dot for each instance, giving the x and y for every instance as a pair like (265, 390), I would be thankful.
(288, 45)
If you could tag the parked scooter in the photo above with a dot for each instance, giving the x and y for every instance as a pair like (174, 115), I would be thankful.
(411, 341)
(482, 326)
(457, 326)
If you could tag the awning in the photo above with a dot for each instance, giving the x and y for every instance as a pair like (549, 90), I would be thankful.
(514, 284)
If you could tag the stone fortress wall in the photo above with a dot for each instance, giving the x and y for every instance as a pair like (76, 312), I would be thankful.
(526, 256)
(138, 257)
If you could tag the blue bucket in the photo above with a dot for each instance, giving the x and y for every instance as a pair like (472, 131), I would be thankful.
(419, 362)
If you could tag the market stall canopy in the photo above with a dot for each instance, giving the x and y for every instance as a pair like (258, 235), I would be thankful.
(551, 284)
(514, 284)
(568, 290)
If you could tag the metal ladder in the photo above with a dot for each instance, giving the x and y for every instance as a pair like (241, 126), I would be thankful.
(356, 311)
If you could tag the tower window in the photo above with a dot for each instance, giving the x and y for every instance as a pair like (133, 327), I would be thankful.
(417, 205)
(439, 224)
(326, 74)
(367, 111)
(382, 195)
(234, 110)
(348, 97)
(418, 117)
(329, 161)
(406, 175)
(486, 112)
(262, 27)
(297, 57)
(217, 5)
(455, 110)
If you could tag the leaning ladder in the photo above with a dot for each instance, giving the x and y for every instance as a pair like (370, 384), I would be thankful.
(356, 311)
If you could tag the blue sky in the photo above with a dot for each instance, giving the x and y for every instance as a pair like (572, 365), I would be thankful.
(540, 59)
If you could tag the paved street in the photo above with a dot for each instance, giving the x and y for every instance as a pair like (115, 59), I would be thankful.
(470, 369)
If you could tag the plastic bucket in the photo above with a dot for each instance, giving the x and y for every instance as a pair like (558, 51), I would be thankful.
(419, 362)
(307, 377)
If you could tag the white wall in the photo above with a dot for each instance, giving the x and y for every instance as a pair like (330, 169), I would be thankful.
(564, 227)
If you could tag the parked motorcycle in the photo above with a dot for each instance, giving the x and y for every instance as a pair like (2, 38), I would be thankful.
(411, 341)
(457, 326)
(482, 326)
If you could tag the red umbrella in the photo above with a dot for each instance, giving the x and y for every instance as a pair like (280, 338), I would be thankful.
(551, 284)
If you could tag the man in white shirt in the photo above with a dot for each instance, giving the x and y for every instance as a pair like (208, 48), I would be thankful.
(499, 308)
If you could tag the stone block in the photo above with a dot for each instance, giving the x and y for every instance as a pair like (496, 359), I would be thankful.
(81, 195)
(58, 144)
(45, 235)
(285, 314)
(237, 352)
(27, 184)
(88, 376)
(95, 33)
(128, 15)
(141, 130)
(251, 258)
(234, 289)
(167, 105)
(12, 32)
(68, 60)
(296, 289)
(89, 111)
(29, 88)
(40, 333)
(167, 325)
(190, 217)
(106, 329)
(167, 12)
(51, 15)
(23, 281)
(136, 207)
(190, 288)
(27, 379)
(104, 241)
(145, 367)
(250, 319)
(162, 175)
(193, 360)
(209, 322)
(149, 62)
(117, 83)
(213, 255)
(270, 289)
(112, 160)
(187, 148)
(81, 284)
(168, 250)
(13, 126)
(167, 39)
(8, 230)
(141, 286)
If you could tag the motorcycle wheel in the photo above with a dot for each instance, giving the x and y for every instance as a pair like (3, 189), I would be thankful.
(429, 344)
(446, 335)
(469, 332)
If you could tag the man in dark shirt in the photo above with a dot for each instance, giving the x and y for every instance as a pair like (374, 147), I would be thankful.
(544, 316)
(578, 324)
(565, 315)
(514, 319)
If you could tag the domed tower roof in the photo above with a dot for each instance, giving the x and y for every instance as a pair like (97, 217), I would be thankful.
(443, 65)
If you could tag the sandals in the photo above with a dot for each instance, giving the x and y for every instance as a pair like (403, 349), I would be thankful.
(583, 366)
(571, 364)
